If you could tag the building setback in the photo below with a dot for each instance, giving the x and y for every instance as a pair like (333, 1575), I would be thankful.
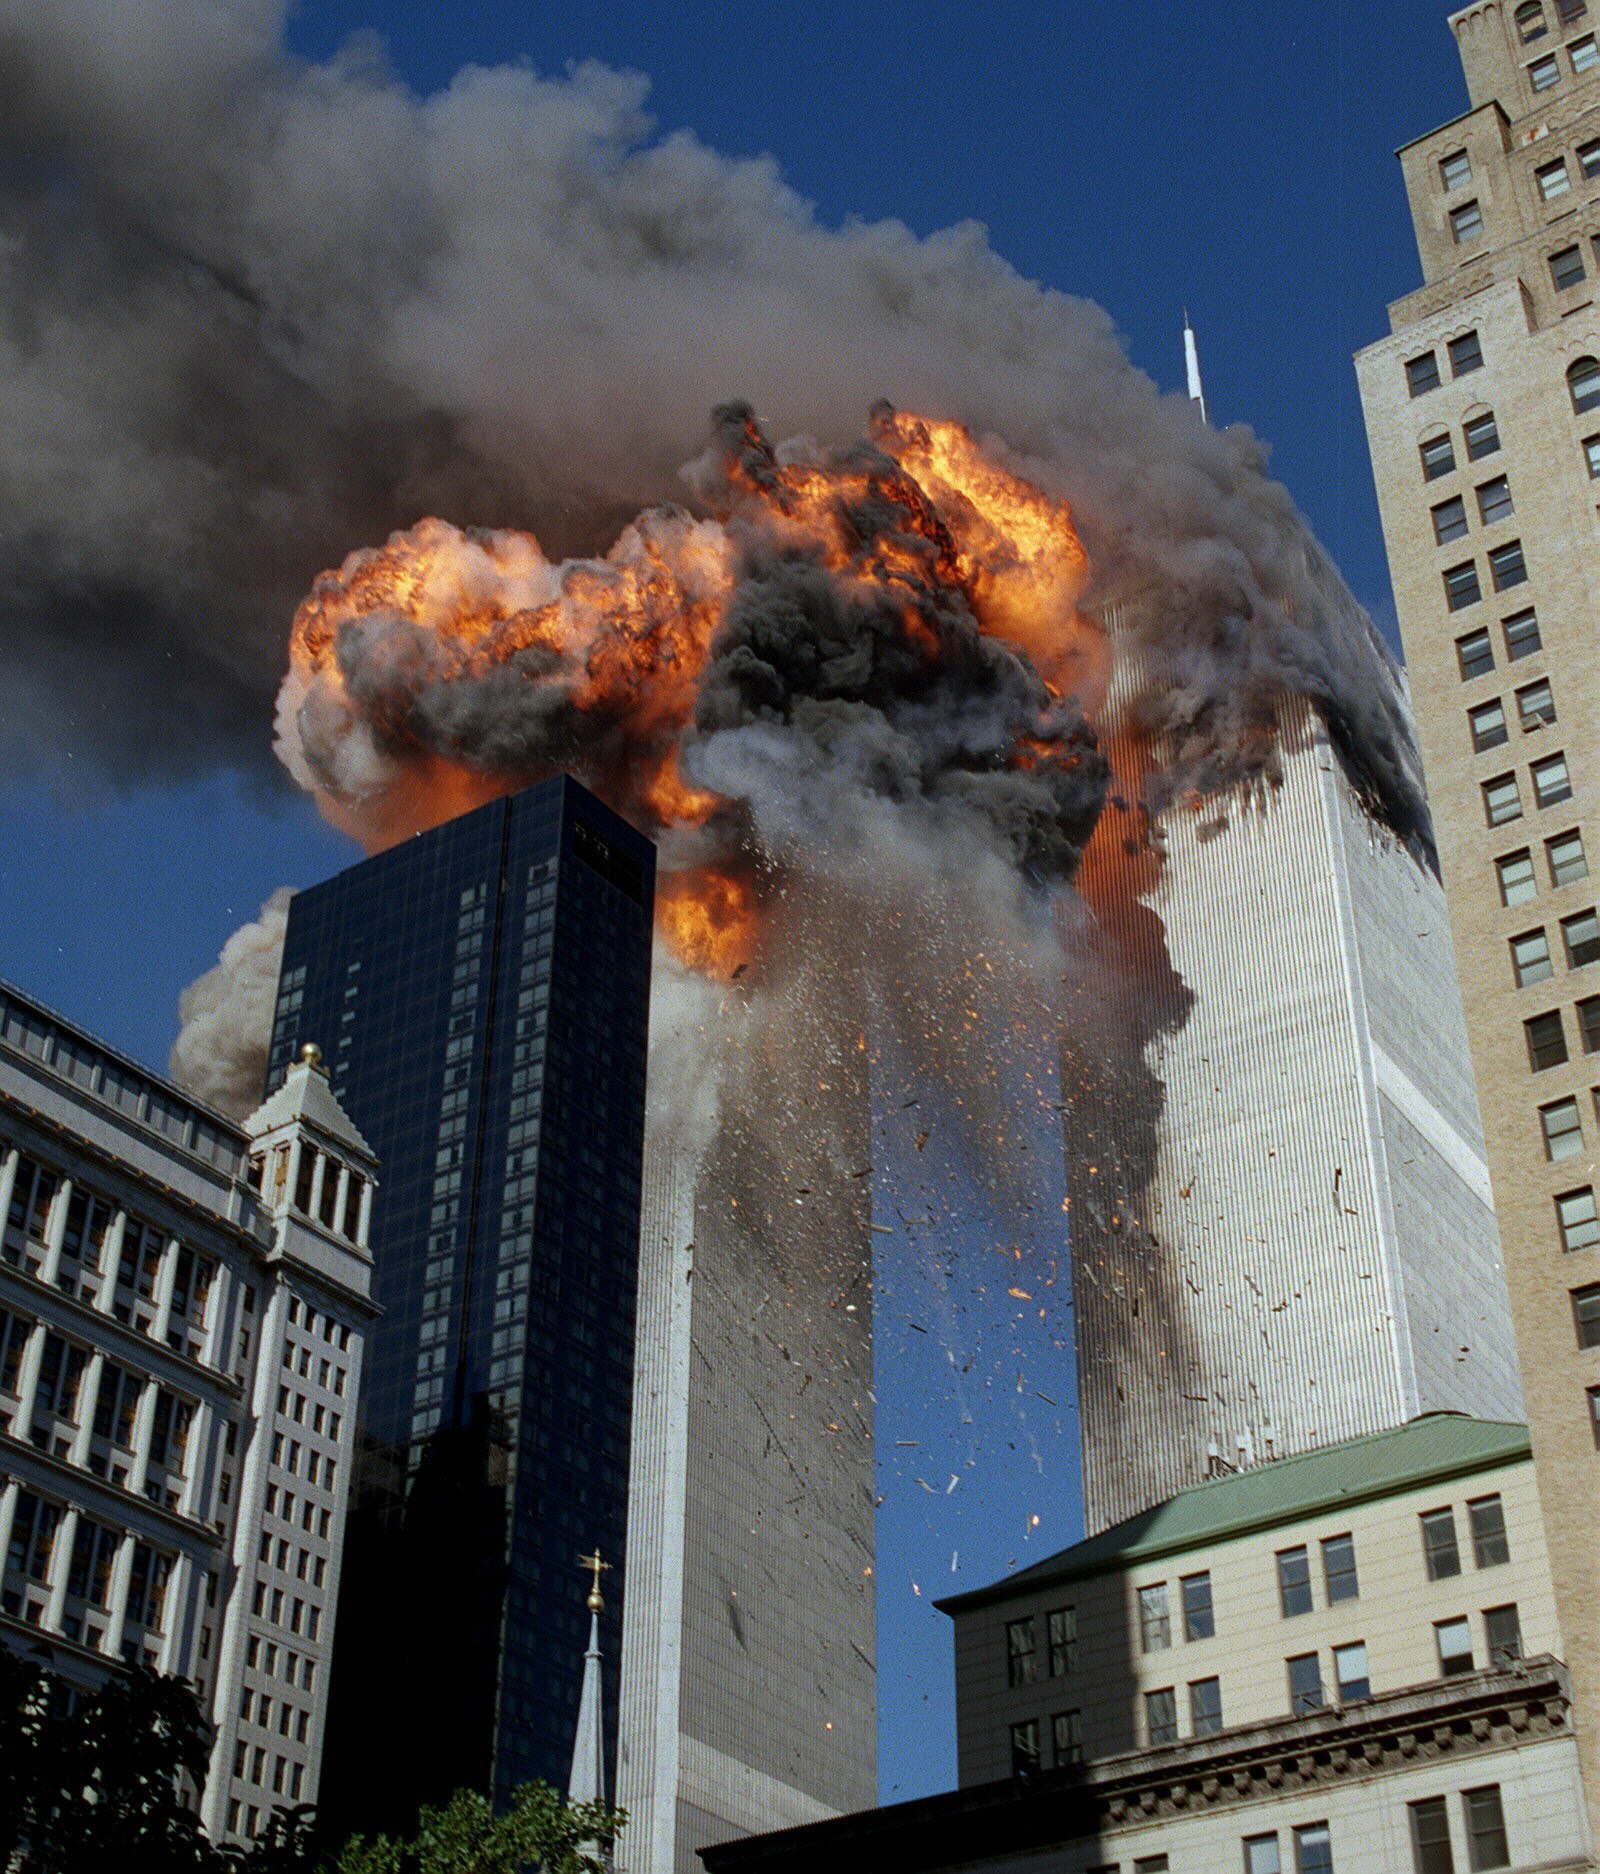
(180, 1364)
(482, 993)
(1483, 417)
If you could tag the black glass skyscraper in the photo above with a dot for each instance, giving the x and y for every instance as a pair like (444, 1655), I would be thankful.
(481, 996)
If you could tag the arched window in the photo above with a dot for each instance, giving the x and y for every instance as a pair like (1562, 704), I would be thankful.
(1583, 380)
(1530, 21)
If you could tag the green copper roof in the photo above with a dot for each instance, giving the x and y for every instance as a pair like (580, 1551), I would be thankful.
(1430, 1449)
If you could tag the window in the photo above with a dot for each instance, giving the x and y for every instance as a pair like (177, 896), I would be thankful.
(1466, 353)
(1487, 1516)
(1305, 1684)
(1563, 1130)
(1350, 1671)
(1553, 180)
(1313, 1849)
(1569, 12)
(1449, 520)
(1339, 1569)
(1530, 20)
(1546, 1036)
(1583, 383)
(1150, 1864)
(1536, 705)
(1481, 435)
(1530, 958)
(1261, 1855)
(1568, 862)
(1205, 1707)
(1566, 267)
(1161, 1716)
(1502, 1632)
(1474, 654)
(1585, 55)
(1063, 1625)
(1430, 1837)
(1591, 456)
(1022, 1664)
(1588, 1012)
(1294, 1582)
(1066, 1734)
(1438, 457)
(1487, 726)
(1507, 566)
(1461, 587)
(1544, 73)
(1466, 222)
(1578, 1218)
(1454, 1640)
(1515, 873)
(1588, 155)
(1486, 1828)
(1440, 1555)
(1456, 169)
(1025, 1747)
(1551, 782)
(1422, 374)
(1501, 802)
(1522, 635)
(1593, 1397)
(1199, 1621)
(1586, 1314)
(1581, 934)
(1155, 1627)
(1494, 501)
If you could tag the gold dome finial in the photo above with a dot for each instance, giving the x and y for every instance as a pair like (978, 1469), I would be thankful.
(596, 1567)
(311, 1054)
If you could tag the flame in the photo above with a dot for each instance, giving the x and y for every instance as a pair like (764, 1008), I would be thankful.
(710, 919)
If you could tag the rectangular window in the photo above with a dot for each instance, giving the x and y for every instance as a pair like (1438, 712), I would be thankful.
(1155, 1627)
(1161, 1716)
(1449, 520)
(1585, 56)
(1461, 587)
(1486, 1823)
(1544, 73)
(1487, 1516)
(1440, 1555)
(1294, 1582)
(1150, 1864)
(1430, 1837)
(1502, 1632)
(1261, 1855)
(1578, 1218)
(1474, 655)
(1563, 1130)
(1487, 726)
(1066, 1733)
(1482, 435)
(1205, 1707)
(1350, 1671)
(1581, 934)
(1494, 501)
(1522, 635)
(1454, 1641)
(1551, 782)
(1586, 1314)
(1546, 1036)
(1456, 169)
(1313, 1849)
(1339, 1569)
(1466, 222)
(1305, 1684)
(1438, 457)
(1569, 12)
(1022, 1662)
(1536, 705)
(1063, 1625)
(1199, 1621)
(1553, 180)
(1422, 374)
(1568, 862)
(1466, 353)
(1025, 1747)
(1530, 958)
(1515, 873)
(1591, 456)
(1593, 1396)
(1501, 801)
(1507, 566)
(1588, 155)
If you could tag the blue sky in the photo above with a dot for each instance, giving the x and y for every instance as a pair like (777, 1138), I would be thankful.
(1236, 159)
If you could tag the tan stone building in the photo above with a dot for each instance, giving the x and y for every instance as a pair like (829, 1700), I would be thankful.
(1483, 414)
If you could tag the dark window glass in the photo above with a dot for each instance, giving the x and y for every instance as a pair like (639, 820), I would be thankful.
(1305, 1684)
(1461, 587)
(1486, 1828)
(1155, 1625)
(1205, 1707)
(1313, 1849)
(1488, 1518)
(1546, 1036)
(1583, 382)
(1339, 1569)
(1063, 1623)
(1294, 1582)
(1482, 436)
(1588, 1010)
(1438, 457)
(1449, 520)
(1440, 1555)
(1507, 566)
(1198, 1619)
(1430, 1837)
(1502, 1631)
(1475, 654)
(1494, 501)
(1066, 1732)
(1466, 353)
(1022, 1662)
(1566, 267)
(1161, 1716)
(1025, 1747)
(1586, 1314)
(1581, 935)
(1589, 158)
(1422, 374)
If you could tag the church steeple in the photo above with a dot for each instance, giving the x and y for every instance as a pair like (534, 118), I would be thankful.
(587, 1783)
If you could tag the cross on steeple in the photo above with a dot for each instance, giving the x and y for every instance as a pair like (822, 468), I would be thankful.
(596, 1567)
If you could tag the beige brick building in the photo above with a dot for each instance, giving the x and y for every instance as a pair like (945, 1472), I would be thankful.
(1483, 415)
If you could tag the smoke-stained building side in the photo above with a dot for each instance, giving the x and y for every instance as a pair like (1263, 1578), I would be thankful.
(1281, 1220)
(749, 1651)
(481, 993)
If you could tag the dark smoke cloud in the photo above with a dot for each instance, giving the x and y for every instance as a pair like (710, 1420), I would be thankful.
(254, 311)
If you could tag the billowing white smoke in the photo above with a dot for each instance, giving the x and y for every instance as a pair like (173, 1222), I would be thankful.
(226, 1015)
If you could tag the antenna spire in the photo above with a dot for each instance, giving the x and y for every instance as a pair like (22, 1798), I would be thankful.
(1191, 362)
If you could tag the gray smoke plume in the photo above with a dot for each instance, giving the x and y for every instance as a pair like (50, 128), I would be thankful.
(257, 310)
(225, 1016)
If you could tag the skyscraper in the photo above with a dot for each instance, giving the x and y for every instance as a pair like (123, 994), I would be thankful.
(1483, 417)
(482, 994)
(1281, 1226)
